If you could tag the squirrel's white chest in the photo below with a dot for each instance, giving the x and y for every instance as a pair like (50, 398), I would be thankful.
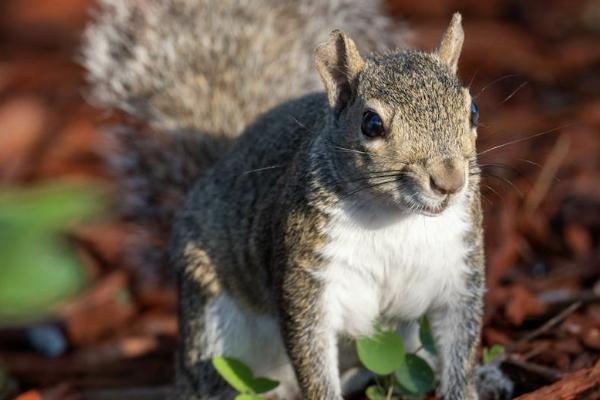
(392, 273)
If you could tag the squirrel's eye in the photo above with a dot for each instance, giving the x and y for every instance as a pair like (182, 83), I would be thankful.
(372, 125)
(474, 114)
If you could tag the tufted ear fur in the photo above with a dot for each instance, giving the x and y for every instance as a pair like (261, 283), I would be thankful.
(339, 64)
(452, 41)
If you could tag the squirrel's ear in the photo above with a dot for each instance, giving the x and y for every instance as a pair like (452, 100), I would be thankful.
(451, 44)
(339, 64)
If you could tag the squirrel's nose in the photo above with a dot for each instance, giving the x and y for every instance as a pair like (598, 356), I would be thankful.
(446, 178)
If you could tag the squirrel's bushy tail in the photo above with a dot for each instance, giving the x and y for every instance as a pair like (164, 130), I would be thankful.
(198, 71)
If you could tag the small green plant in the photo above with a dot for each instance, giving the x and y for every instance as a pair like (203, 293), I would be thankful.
(38, 267)
(240, 377)
(491, 354)
(399, 375)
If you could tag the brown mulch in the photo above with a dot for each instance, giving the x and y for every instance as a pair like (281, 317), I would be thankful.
(534, 68)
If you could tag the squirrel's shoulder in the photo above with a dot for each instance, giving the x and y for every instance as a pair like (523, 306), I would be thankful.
(282, 131)
(264, 152)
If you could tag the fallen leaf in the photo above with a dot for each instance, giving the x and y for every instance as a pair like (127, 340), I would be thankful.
(101, 310)
(30, 395)
(521, 305)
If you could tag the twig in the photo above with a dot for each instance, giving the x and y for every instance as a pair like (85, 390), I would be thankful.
(390, 392)
(563, 299)
(549, 171)
(583, 384)
(548, 373)
(545, 327)
(534, 352)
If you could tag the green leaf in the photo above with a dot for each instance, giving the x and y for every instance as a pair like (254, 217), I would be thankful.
(245, 396)
(36, 274)
(426, 336)
(415, 376)
(38, 268)
(240, 377)
(493, 353)
(375, 393)
(263, 385)
(47, 208)
(383, 353)
(236, 373)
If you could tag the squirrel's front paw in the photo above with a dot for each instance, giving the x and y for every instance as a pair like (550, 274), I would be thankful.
(493, 384)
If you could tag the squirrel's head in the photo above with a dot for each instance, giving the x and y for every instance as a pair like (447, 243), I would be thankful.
(402, 126)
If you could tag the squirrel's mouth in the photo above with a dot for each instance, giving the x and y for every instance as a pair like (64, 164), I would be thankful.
(409, 197)
(436, 210)
(426, 206)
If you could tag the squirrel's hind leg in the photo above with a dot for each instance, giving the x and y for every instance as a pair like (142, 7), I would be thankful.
(216, 325)
(196, 379)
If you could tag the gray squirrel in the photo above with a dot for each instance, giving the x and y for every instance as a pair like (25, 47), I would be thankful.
(308, 217)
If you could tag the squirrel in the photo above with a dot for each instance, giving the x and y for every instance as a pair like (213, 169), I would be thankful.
(333, 212)
(309, 216)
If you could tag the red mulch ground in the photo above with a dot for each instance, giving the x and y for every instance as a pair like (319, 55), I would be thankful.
(534, 67)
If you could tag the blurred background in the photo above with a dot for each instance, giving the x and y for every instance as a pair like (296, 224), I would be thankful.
(78, 321)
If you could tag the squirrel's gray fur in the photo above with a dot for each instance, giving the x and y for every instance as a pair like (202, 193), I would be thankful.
(202, 70)
(258, 237)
